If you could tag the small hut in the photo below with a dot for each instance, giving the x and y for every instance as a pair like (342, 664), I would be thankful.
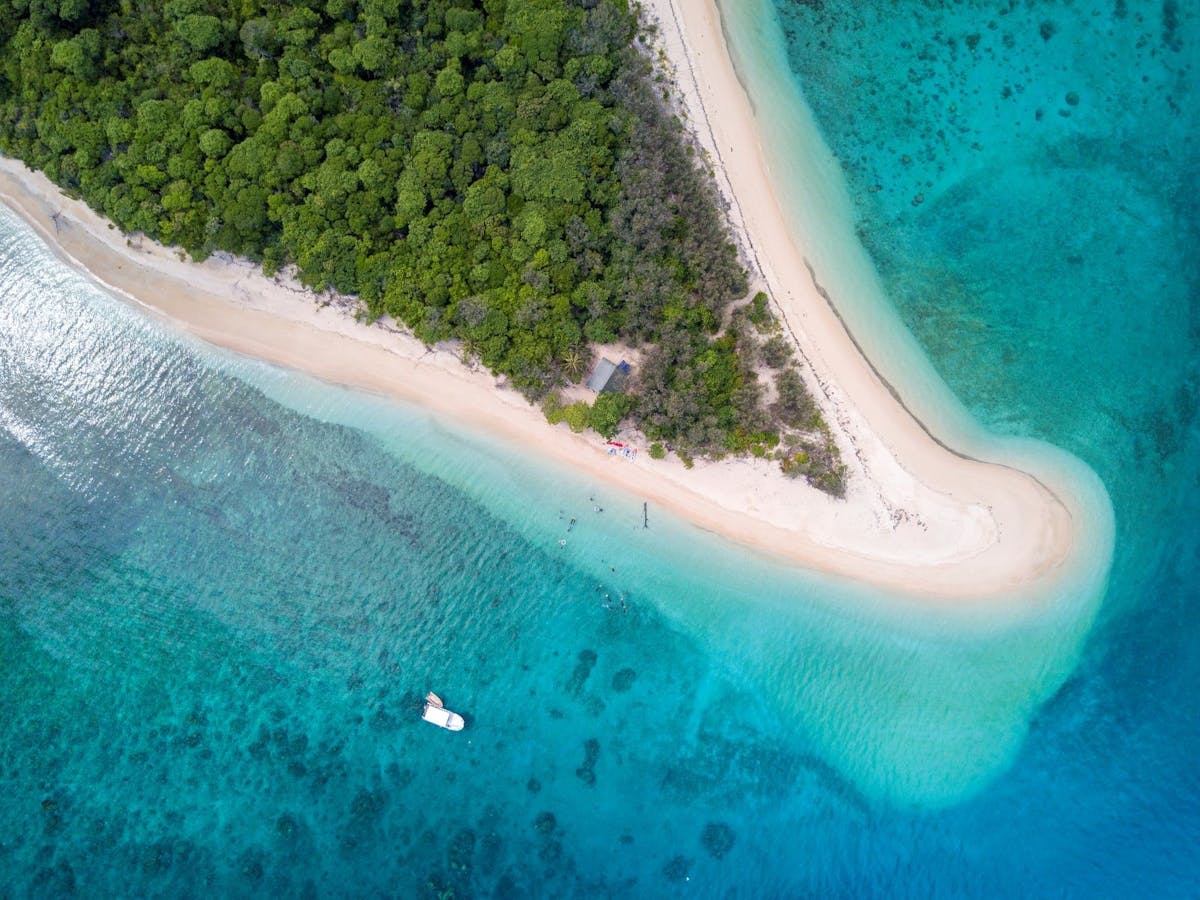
(608, 376)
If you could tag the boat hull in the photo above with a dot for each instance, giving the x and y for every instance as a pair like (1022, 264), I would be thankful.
(442, 717)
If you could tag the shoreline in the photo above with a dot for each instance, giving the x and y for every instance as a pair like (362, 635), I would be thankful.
(898, 401)
(919, 517)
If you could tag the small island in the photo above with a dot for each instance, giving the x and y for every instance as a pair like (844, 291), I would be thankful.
(467, 208)
(511, 178)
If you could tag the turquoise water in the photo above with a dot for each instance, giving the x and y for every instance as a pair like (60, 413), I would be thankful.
(224, 588)
(1024, 177)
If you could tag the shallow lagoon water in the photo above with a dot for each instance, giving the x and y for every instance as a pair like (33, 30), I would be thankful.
(224, 589)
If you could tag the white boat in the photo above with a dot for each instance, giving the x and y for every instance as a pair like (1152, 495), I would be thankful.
(436, 713)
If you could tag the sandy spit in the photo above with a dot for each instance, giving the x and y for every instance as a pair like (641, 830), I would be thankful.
(918, 517)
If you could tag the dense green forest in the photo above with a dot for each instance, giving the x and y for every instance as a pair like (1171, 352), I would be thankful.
(506, 173)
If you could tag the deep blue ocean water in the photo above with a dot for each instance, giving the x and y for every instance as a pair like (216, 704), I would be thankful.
(224, 588)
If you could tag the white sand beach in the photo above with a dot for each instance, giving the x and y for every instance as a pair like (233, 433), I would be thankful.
(918, 517)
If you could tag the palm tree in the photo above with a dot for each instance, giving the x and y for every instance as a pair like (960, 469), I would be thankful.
(572, 361)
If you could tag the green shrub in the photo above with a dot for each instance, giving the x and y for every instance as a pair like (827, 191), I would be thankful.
(552, 408)
(776, 351)
(657, 450)
(760, 313)
(578, 416)
(607, 413)
(794, 465)
(795, 406)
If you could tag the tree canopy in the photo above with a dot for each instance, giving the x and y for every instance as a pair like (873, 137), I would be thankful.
(502, 172)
